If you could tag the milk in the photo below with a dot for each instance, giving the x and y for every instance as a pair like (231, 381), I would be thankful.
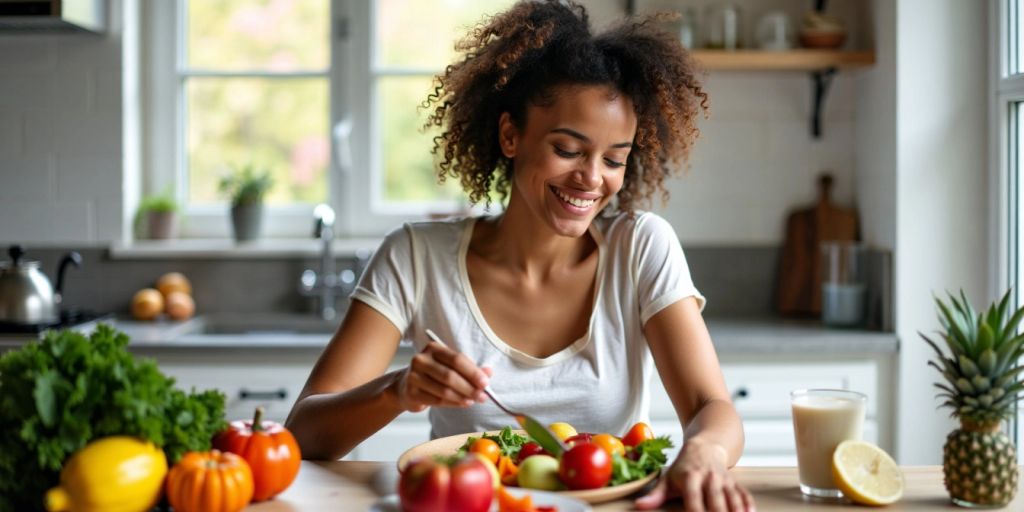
(821, 420)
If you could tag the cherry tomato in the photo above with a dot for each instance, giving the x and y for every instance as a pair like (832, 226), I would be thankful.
(585, 466)
(530, 448)
(640, 432)
(579, 438)
(609, 443)
(486, 447)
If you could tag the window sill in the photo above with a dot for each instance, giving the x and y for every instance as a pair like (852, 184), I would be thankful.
(266, 248)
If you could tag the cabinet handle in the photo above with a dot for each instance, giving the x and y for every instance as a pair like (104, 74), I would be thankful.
(276, 394)
(740, 393)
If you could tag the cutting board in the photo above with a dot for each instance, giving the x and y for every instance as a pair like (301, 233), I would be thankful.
(799, 284)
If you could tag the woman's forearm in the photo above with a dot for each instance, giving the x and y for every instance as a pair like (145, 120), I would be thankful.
(717, 423)
(328, 426)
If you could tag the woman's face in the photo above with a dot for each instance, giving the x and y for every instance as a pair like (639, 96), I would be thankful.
(569, 159)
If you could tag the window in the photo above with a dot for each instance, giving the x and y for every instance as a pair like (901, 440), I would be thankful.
(1008, 115)
(325, 94)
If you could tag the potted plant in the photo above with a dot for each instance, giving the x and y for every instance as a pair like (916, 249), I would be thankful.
(982, 373)
(159, 215)
(246, 188)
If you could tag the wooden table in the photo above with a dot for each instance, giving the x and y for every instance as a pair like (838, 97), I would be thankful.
(354, 486)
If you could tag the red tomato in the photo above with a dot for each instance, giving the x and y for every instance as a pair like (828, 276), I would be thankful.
(585, 466)
(269, 448)
(530, 448)
(640, 432)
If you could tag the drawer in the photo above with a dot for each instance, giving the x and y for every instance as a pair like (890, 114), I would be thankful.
(762, 390)
(273, 387)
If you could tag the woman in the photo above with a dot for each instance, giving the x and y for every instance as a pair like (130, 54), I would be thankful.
(560, 301)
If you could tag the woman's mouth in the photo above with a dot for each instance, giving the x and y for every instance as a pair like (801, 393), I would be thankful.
(574, 204)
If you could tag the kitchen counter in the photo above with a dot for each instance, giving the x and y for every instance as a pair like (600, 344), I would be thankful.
(283, 331)
(346, 485)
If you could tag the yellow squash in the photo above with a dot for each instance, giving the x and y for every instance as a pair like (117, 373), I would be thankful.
(113, 474)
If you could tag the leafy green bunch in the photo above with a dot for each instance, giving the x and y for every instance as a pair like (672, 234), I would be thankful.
(60, 393)
(641, 460)
(509, 441)
(246, 185)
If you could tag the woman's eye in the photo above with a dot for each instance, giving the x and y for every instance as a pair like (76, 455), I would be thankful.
(614, 163)
(566, 154)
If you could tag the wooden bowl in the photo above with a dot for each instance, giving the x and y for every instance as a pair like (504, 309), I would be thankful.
(449, 445)
(822, 38)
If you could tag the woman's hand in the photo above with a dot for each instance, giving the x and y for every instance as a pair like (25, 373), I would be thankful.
(700, 476)
(440, 376)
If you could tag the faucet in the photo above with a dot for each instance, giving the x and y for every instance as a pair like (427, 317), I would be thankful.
(327, 285)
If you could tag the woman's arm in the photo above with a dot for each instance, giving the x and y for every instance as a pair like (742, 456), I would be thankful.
(689, 369)
(348, 396)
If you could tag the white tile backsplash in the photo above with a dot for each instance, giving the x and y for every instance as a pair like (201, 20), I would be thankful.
(26, 177)
(60, 138)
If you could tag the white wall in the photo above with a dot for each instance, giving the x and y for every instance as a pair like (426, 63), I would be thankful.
(60, 137)
(941, 194)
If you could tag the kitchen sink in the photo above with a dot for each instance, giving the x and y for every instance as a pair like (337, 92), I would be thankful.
(235, 330)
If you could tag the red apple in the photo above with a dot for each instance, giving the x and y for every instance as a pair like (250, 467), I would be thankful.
(427, 485)
(530, 448)
(579, 438)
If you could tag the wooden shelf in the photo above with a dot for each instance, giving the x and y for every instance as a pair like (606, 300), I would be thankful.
(789, 60)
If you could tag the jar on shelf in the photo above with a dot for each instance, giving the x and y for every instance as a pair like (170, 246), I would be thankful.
(688, 28)
(723, 27)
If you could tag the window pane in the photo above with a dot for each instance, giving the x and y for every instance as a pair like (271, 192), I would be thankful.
(422, 33)
(276, 123)
(268, 35)
(408, 164)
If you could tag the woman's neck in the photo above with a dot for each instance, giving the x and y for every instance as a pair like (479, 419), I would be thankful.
(528, 245)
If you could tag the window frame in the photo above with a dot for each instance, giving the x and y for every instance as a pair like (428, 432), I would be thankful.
(1007, 129)
(353, 189)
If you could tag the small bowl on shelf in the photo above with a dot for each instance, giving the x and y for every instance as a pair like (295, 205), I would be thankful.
(822, 39)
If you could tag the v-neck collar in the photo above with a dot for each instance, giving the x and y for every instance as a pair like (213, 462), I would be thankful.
(514, 353)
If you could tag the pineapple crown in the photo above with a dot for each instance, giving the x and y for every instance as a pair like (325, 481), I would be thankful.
(981, 366)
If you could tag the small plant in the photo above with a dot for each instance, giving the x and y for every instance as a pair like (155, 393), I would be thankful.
(246, 185)
(163, 203)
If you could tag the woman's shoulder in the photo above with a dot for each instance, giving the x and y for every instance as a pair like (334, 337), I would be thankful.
(629, 228)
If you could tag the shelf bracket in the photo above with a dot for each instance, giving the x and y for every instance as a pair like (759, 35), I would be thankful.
(822, 80)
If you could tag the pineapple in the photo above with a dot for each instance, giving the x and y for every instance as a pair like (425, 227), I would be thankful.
(981, 371)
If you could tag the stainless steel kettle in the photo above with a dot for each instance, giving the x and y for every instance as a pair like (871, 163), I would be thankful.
(26, 296)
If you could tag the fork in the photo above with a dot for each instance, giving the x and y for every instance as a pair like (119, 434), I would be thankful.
(540, 433)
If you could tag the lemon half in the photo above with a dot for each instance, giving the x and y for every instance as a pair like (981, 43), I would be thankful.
(866, 474)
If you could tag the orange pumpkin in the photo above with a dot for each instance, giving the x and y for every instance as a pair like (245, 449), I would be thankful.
(269, 448)
(212, 481)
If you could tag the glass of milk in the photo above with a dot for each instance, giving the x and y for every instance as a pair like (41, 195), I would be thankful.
(823, 418)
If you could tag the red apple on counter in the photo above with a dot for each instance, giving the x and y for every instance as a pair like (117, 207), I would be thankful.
(427, 485)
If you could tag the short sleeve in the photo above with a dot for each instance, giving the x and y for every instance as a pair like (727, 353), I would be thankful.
(388, 284)
(662, 274)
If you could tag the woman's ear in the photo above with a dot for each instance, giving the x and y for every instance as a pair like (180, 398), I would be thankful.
(507, 135)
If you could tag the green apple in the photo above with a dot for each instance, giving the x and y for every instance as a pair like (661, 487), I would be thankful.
(539, 472)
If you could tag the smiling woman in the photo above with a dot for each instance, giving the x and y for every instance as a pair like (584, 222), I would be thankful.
(565, 301)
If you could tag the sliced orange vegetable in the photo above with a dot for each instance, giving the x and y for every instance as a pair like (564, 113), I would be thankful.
(508, 472)
(509, 503)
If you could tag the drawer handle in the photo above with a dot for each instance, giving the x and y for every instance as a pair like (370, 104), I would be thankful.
(740, 393)
(277, 394)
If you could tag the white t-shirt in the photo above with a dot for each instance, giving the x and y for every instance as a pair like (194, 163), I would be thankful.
(418, 280)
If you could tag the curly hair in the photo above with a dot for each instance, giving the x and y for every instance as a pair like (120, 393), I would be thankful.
(520, 56)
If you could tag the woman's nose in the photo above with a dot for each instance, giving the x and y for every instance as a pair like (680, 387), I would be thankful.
(589, 173)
